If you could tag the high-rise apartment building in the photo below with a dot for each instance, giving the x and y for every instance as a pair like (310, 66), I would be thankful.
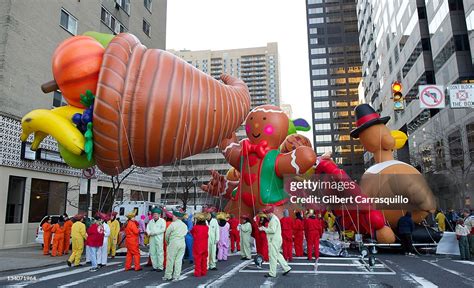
(258, 68)
(36, 184)
(418, 43)
(335, 69)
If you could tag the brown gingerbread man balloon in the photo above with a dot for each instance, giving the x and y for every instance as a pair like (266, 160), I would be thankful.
(261, 164)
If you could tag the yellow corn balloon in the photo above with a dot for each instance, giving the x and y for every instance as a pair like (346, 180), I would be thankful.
(400, 138)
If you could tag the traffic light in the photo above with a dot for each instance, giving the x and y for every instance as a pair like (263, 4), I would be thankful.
(397, 96)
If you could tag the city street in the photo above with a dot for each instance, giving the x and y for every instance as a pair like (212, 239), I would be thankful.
(391, 270)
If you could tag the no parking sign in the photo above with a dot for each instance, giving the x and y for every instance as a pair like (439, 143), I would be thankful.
(431, 96)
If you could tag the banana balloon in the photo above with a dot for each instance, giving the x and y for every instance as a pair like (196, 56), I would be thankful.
(60, 128)
(64, 111)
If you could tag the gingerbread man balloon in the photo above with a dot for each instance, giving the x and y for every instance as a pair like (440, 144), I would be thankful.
(260, 162)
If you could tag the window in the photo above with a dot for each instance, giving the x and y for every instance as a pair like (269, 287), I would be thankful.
(318, 61)
(315, 10)
(68, 22)
(322, 115)
(147, 4)
(111, 22)
(316, 51)
(16, 195)
(321, 104)
(103, 199)
(323, 93)
(136, 195)
(58, 99)
(317, 20)
(470, 140)
(319, 72)
(455, 149)
(323, 149)
(314, 2)
(47, 198)
(152, 196)
(320, 82)
(322, 127)
(124, 4)
(146, 27)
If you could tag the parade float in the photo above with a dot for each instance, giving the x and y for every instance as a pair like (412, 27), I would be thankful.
(129, 105)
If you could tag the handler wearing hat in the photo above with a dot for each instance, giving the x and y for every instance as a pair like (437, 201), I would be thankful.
(79, 235)
(245, 234)
(213, 237)
(156, 229)
(176, 246)
(114, 226)
(274, 244)
(131, 242)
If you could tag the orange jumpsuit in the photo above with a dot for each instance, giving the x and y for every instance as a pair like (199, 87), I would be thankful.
(46, 237)
(67, 236)
(131, 242)
(58, 240)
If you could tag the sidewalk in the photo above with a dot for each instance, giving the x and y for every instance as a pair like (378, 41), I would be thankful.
(27, 257)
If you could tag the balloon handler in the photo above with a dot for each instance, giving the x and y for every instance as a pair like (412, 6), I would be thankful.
(131, 105)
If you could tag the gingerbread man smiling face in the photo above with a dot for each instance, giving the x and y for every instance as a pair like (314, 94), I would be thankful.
(267, 123)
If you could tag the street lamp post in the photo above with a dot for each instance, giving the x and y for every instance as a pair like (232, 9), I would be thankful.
(194, 180)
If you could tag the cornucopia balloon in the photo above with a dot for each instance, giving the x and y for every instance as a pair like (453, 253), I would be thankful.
(144, 107)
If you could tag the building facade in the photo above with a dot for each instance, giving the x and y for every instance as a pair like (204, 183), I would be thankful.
(36, 184)
(335, 70)
(418, 43)
(258, 67)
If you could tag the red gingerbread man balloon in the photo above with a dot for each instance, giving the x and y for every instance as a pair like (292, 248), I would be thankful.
(261, 164)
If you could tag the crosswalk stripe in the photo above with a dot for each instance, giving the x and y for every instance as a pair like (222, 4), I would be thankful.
(448, 270)
(59, 275)
(184, 275)
(94, 277)
(219, 281)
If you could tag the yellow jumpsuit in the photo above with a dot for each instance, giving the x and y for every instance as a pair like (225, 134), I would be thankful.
(114, 232)
(441, 219)
(78, 234)
(174, 236)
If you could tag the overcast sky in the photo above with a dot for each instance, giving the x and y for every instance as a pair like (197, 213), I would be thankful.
(231, 24)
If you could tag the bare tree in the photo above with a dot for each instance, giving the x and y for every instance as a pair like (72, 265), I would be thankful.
(443, 153)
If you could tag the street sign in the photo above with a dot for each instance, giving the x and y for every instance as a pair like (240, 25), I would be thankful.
(88, 173)
(431, 96)
(461, 95)
(83, 186)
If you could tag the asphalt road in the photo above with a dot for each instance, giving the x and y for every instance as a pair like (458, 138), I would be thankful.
(391, 270)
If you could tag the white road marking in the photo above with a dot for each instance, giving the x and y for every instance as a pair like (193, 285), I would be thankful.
(422, 281)
(94, 277)
(59, 275)
(268, 283)
(464, 262)
(121, 283)
(412, 278)
(219, 281)
(184, 275)
(448, 270)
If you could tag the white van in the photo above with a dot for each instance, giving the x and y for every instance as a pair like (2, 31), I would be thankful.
(138, 207)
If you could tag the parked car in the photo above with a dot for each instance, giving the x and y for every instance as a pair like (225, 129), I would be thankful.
(39, 230)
